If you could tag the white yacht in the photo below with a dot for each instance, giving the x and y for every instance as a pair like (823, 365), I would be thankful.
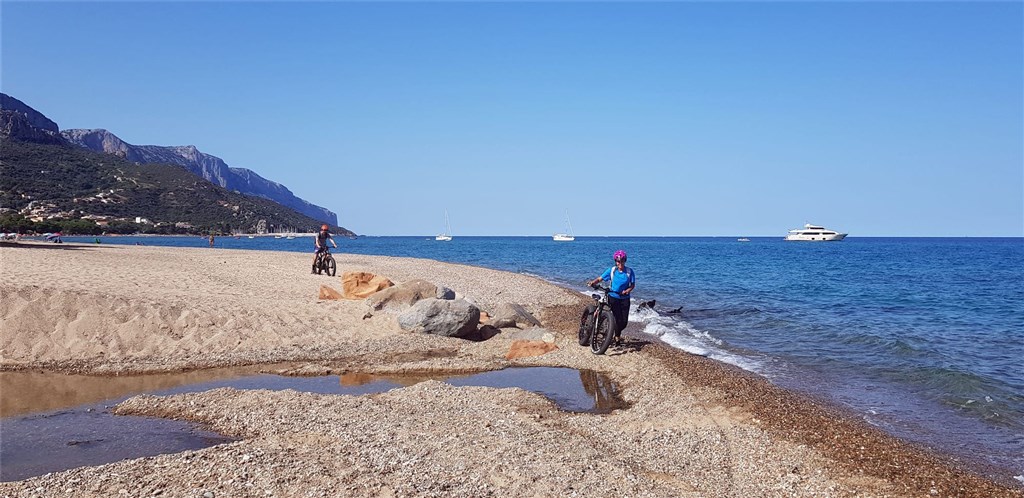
(816, 233)
(447, 235)
(565, 237)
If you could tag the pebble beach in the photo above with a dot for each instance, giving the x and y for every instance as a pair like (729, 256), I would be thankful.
(692, 426)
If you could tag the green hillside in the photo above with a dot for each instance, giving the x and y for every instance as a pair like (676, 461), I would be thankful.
(69, 183)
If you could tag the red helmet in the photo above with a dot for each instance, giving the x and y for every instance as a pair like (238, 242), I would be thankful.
(619, 255)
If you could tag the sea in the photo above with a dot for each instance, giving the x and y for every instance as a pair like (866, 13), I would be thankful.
(921, 337)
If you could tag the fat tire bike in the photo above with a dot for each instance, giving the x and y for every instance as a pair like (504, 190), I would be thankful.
(597, 323)
(325, 263)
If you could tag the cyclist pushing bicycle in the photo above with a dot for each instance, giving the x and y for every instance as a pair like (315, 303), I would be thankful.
(321, 243)
(622, 282)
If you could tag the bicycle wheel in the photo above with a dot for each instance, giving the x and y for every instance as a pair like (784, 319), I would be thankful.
(330, 267)
(586, 323)
(603, 333)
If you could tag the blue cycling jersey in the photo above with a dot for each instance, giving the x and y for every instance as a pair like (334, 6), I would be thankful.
(621, 280)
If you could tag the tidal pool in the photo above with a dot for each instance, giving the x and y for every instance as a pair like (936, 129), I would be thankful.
(54, 422)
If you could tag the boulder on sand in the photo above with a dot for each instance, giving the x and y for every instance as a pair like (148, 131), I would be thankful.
(512, 315)
(400, 297)
(445, 293)
(361, 285)
(456, 318)
(532, 334)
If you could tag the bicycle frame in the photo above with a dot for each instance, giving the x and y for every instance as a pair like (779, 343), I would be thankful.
(322, 259)
(593, 331)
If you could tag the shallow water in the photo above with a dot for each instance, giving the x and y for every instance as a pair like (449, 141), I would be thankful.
(42, 438)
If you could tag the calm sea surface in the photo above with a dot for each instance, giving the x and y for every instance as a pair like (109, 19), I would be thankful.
(923, 337)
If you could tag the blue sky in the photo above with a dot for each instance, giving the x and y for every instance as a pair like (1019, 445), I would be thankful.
(638, 118)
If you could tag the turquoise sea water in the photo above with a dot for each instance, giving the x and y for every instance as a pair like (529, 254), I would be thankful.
(923, 337)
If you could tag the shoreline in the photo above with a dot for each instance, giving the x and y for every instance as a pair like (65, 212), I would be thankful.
(733, 399)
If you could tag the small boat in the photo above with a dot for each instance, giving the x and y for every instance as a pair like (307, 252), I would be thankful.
(743, 239)
(290, 237)
(252, 236)
(447, 235)
(815, 233)
(565, 237)
(277, 237)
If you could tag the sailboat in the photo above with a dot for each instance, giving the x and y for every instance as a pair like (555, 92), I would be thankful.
(447, 235)
(565, 237)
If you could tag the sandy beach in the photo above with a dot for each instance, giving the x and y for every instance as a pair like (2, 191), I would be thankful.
(693, 426)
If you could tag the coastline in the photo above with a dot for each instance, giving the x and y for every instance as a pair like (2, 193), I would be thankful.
(728, 432)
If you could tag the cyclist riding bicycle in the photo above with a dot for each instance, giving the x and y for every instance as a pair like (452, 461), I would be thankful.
(622, 282)
(321, 243)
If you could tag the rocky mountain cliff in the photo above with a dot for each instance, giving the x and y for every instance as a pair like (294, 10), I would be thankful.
(22, 122)
(209, 167)
(34, 117)
(19, 120)
(72, 174)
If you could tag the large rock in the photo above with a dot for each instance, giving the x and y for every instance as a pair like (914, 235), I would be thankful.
(400, 297)
(456, 318)
(532, 334)
(361, 285)
(445, 293)
(512, 315)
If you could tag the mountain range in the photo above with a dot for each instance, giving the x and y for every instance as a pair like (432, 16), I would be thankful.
(211, 168)
(46, 174)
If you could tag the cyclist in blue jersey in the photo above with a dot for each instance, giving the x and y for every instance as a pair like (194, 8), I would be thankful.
(622, 282)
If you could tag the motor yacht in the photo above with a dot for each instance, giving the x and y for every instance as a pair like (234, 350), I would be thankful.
(815, 233)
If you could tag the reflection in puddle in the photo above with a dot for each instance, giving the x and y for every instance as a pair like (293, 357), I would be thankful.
(87, 434)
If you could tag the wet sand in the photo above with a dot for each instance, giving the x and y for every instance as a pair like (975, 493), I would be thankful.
(695, 427)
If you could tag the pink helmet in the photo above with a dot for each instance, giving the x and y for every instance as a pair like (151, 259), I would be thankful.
(619, 255)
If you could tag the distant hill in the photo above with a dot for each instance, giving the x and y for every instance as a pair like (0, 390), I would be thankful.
(44, 175)
(19, 120)
(72, 182)
(212, 168)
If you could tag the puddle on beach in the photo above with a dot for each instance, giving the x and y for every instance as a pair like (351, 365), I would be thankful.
(54, 422)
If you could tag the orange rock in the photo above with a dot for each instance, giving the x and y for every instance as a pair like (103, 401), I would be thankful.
(526, 349)
(329, 293)
(360, 285)
(484, 317)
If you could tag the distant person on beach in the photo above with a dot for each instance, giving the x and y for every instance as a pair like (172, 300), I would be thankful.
(211, 240)
(321, 243)
(622, 282)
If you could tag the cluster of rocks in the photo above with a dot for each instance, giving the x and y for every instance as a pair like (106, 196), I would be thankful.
(423, 307)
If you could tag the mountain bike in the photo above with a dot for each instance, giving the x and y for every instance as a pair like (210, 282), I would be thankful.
(597, 323)
(325, 263)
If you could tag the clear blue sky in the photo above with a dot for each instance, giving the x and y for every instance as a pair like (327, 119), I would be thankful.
(639, 118)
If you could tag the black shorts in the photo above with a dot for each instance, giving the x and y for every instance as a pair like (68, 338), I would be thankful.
(620, 308)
